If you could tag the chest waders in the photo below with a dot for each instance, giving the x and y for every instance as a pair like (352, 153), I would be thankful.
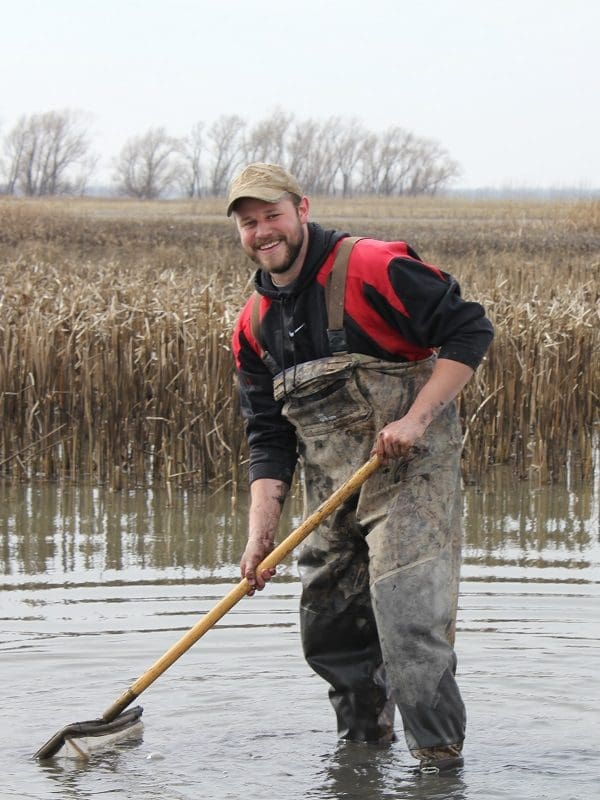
(380, 577)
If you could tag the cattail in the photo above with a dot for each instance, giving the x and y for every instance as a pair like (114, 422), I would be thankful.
(116, 319)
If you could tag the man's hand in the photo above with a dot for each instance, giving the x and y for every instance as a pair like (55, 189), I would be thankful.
(267, 499)
(256, 550)
(446, 381)
(397, 438)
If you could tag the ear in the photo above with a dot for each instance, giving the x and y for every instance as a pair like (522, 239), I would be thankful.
(303, 210)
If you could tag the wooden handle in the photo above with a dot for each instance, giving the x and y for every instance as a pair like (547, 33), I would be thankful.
(224, 605)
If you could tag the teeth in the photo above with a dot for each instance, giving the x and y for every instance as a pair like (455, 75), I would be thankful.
(268, 245)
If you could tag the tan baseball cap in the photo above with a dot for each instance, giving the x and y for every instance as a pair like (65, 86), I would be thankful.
(268, 182)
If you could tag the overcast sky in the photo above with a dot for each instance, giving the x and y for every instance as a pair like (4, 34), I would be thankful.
(511, 88)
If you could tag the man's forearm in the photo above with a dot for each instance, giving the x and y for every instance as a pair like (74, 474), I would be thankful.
(267, 499)
(447, 380)
(396, 439)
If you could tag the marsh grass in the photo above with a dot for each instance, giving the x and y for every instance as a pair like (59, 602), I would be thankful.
(116, 317)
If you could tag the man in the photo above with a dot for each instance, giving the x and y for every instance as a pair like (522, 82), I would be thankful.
(332, 369)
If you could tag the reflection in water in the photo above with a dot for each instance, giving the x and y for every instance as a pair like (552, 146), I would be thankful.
(54, 532)
(510, 525)
(365, 772)
(73, 777)
(94, 586)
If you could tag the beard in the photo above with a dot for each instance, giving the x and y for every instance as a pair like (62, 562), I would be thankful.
(285, 259)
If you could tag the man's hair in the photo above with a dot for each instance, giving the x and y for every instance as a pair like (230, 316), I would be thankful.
(295, 198)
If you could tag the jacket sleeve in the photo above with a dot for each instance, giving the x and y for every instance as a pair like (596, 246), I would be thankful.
(437, 315)
(271, 438)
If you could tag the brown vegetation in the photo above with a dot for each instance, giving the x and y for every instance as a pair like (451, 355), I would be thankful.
(115, 323)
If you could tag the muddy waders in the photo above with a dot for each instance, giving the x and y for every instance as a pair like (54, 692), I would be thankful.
(380, 577)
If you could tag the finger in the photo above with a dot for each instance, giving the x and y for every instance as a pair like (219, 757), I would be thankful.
(380, 452)
(268, 573)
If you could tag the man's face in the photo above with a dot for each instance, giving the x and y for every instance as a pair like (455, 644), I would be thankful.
(274, 235)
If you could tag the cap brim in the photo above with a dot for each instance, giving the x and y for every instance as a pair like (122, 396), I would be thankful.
(266, 195)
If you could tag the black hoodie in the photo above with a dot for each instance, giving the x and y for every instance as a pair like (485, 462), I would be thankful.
(396, 308)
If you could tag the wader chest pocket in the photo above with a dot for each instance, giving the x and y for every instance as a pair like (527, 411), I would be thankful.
(336, 406)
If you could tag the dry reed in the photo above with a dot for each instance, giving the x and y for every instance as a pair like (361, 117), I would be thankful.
(115, 323)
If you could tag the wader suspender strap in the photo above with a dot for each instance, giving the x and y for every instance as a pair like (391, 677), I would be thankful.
(335, 294)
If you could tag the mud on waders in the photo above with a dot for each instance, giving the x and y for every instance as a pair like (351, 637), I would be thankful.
(380, 576)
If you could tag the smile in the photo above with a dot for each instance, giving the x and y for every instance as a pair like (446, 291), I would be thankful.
(269, 245)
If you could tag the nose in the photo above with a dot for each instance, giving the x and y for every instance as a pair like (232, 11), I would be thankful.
(263, 229)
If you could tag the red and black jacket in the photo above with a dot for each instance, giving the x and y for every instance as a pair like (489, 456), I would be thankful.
(396, 308)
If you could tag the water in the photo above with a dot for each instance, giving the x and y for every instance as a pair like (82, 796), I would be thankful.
(96, 586)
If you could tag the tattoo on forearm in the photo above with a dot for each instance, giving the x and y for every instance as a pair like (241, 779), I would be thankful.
(280, 496)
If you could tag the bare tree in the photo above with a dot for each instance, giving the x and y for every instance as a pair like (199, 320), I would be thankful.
(226, 147)
(310, 155)
(397, 162)
(433, 169)
(266, 141)
(192, 150)
(46, 154)
(49, 154)
(348, 138)
(14, 147)
(387, 159)
(148, 165)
